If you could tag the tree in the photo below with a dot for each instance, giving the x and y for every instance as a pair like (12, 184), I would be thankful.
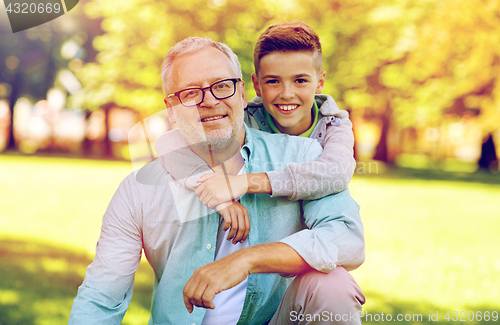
(452, 64)
(138, 35)
(488, 159)
(404, 63)
(31, 59)
(29, 66)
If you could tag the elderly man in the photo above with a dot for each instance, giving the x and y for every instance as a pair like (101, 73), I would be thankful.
(246, 283)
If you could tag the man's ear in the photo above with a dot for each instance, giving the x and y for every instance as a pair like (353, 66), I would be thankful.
(170, 111)
(321, 82)
(243, 94)
(255, 81)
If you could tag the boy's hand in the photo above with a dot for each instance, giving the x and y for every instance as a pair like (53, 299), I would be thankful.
(235, 216)
(215, 189)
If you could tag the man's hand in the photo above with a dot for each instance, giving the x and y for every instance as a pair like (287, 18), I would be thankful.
(211, 279)
(215, 189)
(235, 216)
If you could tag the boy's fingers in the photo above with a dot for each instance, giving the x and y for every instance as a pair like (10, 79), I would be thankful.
(241, 228)
(205, 198)
(206, 176)
(247, 225)
(211, 204)
(234, 227)
(199, 190)
(201, 193)
(227, 223)
(203, 178)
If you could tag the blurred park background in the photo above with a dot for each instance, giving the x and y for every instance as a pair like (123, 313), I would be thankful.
(80, 98)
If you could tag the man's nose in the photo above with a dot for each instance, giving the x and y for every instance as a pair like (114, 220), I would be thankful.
(209, 100)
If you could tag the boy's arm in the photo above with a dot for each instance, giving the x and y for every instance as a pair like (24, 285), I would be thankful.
(329, 174)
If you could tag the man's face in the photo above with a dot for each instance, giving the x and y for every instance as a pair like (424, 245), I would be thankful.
(287, 82)
(213, 120)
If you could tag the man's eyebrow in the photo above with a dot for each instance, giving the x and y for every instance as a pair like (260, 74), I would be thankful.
(197, 83)
(190, 85)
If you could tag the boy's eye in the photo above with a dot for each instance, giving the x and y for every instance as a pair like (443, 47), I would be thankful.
(272, 81)
(301, 81)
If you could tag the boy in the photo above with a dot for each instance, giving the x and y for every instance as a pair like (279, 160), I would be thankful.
(287, 80)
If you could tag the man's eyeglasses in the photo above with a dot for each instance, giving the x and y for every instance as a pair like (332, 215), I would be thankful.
(193, 96)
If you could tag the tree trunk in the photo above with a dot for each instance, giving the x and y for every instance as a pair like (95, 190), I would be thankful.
(86, 143)
(488, 160)
(108, 150)
(382, 150)
(14, 94)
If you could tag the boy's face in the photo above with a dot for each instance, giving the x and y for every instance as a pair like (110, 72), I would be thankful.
(287, 82)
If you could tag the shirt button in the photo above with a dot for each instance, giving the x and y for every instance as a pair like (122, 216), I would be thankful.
(209, 246)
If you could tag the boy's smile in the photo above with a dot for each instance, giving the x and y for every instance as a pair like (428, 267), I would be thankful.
(287, 82)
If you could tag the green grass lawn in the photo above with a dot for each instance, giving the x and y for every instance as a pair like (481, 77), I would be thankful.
(431, 240)
(431, 244)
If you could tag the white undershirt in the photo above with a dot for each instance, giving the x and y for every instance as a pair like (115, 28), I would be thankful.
(228, 303)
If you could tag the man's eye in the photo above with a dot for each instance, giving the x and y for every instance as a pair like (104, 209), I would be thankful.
(222, 85)
(190, 94)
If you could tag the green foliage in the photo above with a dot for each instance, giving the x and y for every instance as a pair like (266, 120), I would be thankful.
(414, 57)
(35, 54)
(418, 59)
(138, 35)
(452, 57)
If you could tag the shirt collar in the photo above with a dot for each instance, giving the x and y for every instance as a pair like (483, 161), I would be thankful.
(246, 149)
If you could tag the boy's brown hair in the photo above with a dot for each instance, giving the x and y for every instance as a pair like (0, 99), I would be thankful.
(288, 37)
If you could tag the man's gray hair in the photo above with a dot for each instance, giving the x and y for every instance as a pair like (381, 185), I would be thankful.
(192, 45)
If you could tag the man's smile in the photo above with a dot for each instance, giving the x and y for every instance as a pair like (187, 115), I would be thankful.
(213, 118)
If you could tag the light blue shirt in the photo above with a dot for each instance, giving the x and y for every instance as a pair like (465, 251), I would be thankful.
(178, 234)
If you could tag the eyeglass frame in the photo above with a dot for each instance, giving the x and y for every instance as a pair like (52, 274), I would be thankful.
(203, 90)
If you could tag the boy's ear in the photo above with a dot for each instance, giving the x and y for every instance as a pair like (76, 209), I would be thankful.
(321, 82)
(255, 81)
(170, 111)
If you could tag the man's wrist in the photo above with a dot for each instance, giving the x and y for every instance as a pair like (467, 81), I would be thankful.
(245, 259)
(272, 258)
